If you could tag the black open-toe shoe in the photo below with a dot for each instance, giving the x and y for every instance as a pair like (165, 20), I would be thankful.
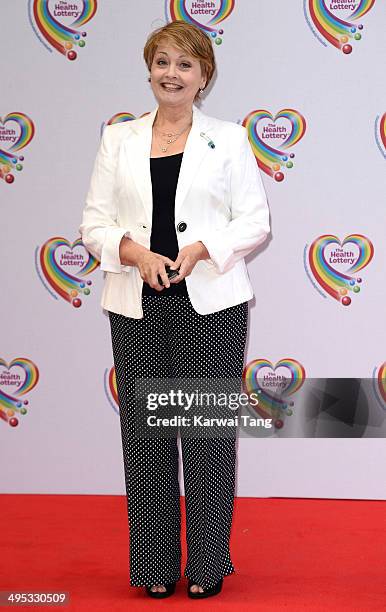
(214, 590)
(170, 588)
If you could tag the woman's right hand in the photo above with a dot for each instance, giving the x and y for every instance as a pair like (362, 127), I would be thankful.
(149, 264)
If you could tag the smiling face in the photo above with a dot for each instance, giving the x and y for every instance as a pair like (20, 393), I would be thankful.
(175, 76)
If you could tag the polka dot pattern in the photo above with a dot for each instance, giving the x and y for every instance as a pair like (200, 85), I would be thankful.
(173, 340)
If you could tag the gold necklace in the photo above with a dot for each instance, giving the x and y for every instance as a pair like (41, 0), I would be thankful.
(170, 136)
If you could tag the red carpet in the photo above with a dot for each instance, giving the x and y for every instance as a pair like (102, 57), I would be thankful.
(289, 554)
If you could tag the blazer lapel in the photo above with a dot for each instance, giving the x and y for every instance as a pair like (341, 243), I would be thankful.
(138, 147)
(196, 149)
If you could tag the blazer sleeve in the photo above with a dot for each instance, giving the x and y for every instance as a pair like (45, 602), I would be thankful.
(249, 225)
(101, 235)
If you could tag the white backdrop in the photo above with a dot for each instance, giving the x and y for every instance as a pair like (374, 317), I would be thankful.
(282, 73)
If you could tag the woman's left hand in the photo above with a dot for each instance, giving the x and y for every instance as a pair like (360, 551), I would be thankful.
(187, 258)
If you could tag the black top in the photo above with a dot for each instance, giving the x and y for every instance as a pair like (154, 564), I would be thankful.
(163, 240)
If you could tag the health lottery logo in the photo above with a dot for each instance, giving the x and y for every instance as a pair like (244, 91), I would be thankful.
(379, 378)
(204, 14)
(275, 385)
(63, 268)
(111, 391)
(58, 24)
(284, 130)
(334, 265)
(16, 132)
(16, 380)
(380, 133)
(121, 118)
(335, 22)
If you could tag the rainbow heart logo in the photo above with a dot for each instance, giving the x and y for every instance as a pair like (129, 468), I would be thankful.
(204, 15)
(274, 385)
(379, 378)
(16, 380)
(286, 128)
(380, 133)
(118, 118)
(63, 267)
(121, 118)
(59, 24)
(17, 137)
(335, 23)
(334, 266)
(111, 390)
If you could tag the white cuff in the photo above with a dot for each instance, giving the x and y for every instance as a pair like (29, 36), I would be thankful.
(220, 254)
(110, 260)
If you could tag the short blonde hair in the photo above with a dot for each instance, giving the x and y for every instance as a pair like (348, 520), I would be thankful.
(187, 37)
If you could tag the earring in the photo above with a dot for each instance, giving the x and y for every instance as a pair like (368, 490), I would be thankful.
(201, 91)
(149, 79)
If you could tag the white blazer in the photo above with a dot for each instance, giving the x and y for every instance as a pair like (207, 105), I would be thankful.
(220, 200)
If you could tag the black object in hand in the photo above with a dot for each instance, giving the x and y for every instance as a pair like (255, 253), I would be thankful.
(170, 273)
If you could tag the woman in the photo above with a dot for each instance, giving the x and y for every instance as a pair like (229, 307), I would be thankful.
(196, 208)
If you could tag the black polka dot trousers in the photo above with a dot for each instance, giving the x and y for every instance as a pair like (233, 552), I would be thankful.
(173, 340)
